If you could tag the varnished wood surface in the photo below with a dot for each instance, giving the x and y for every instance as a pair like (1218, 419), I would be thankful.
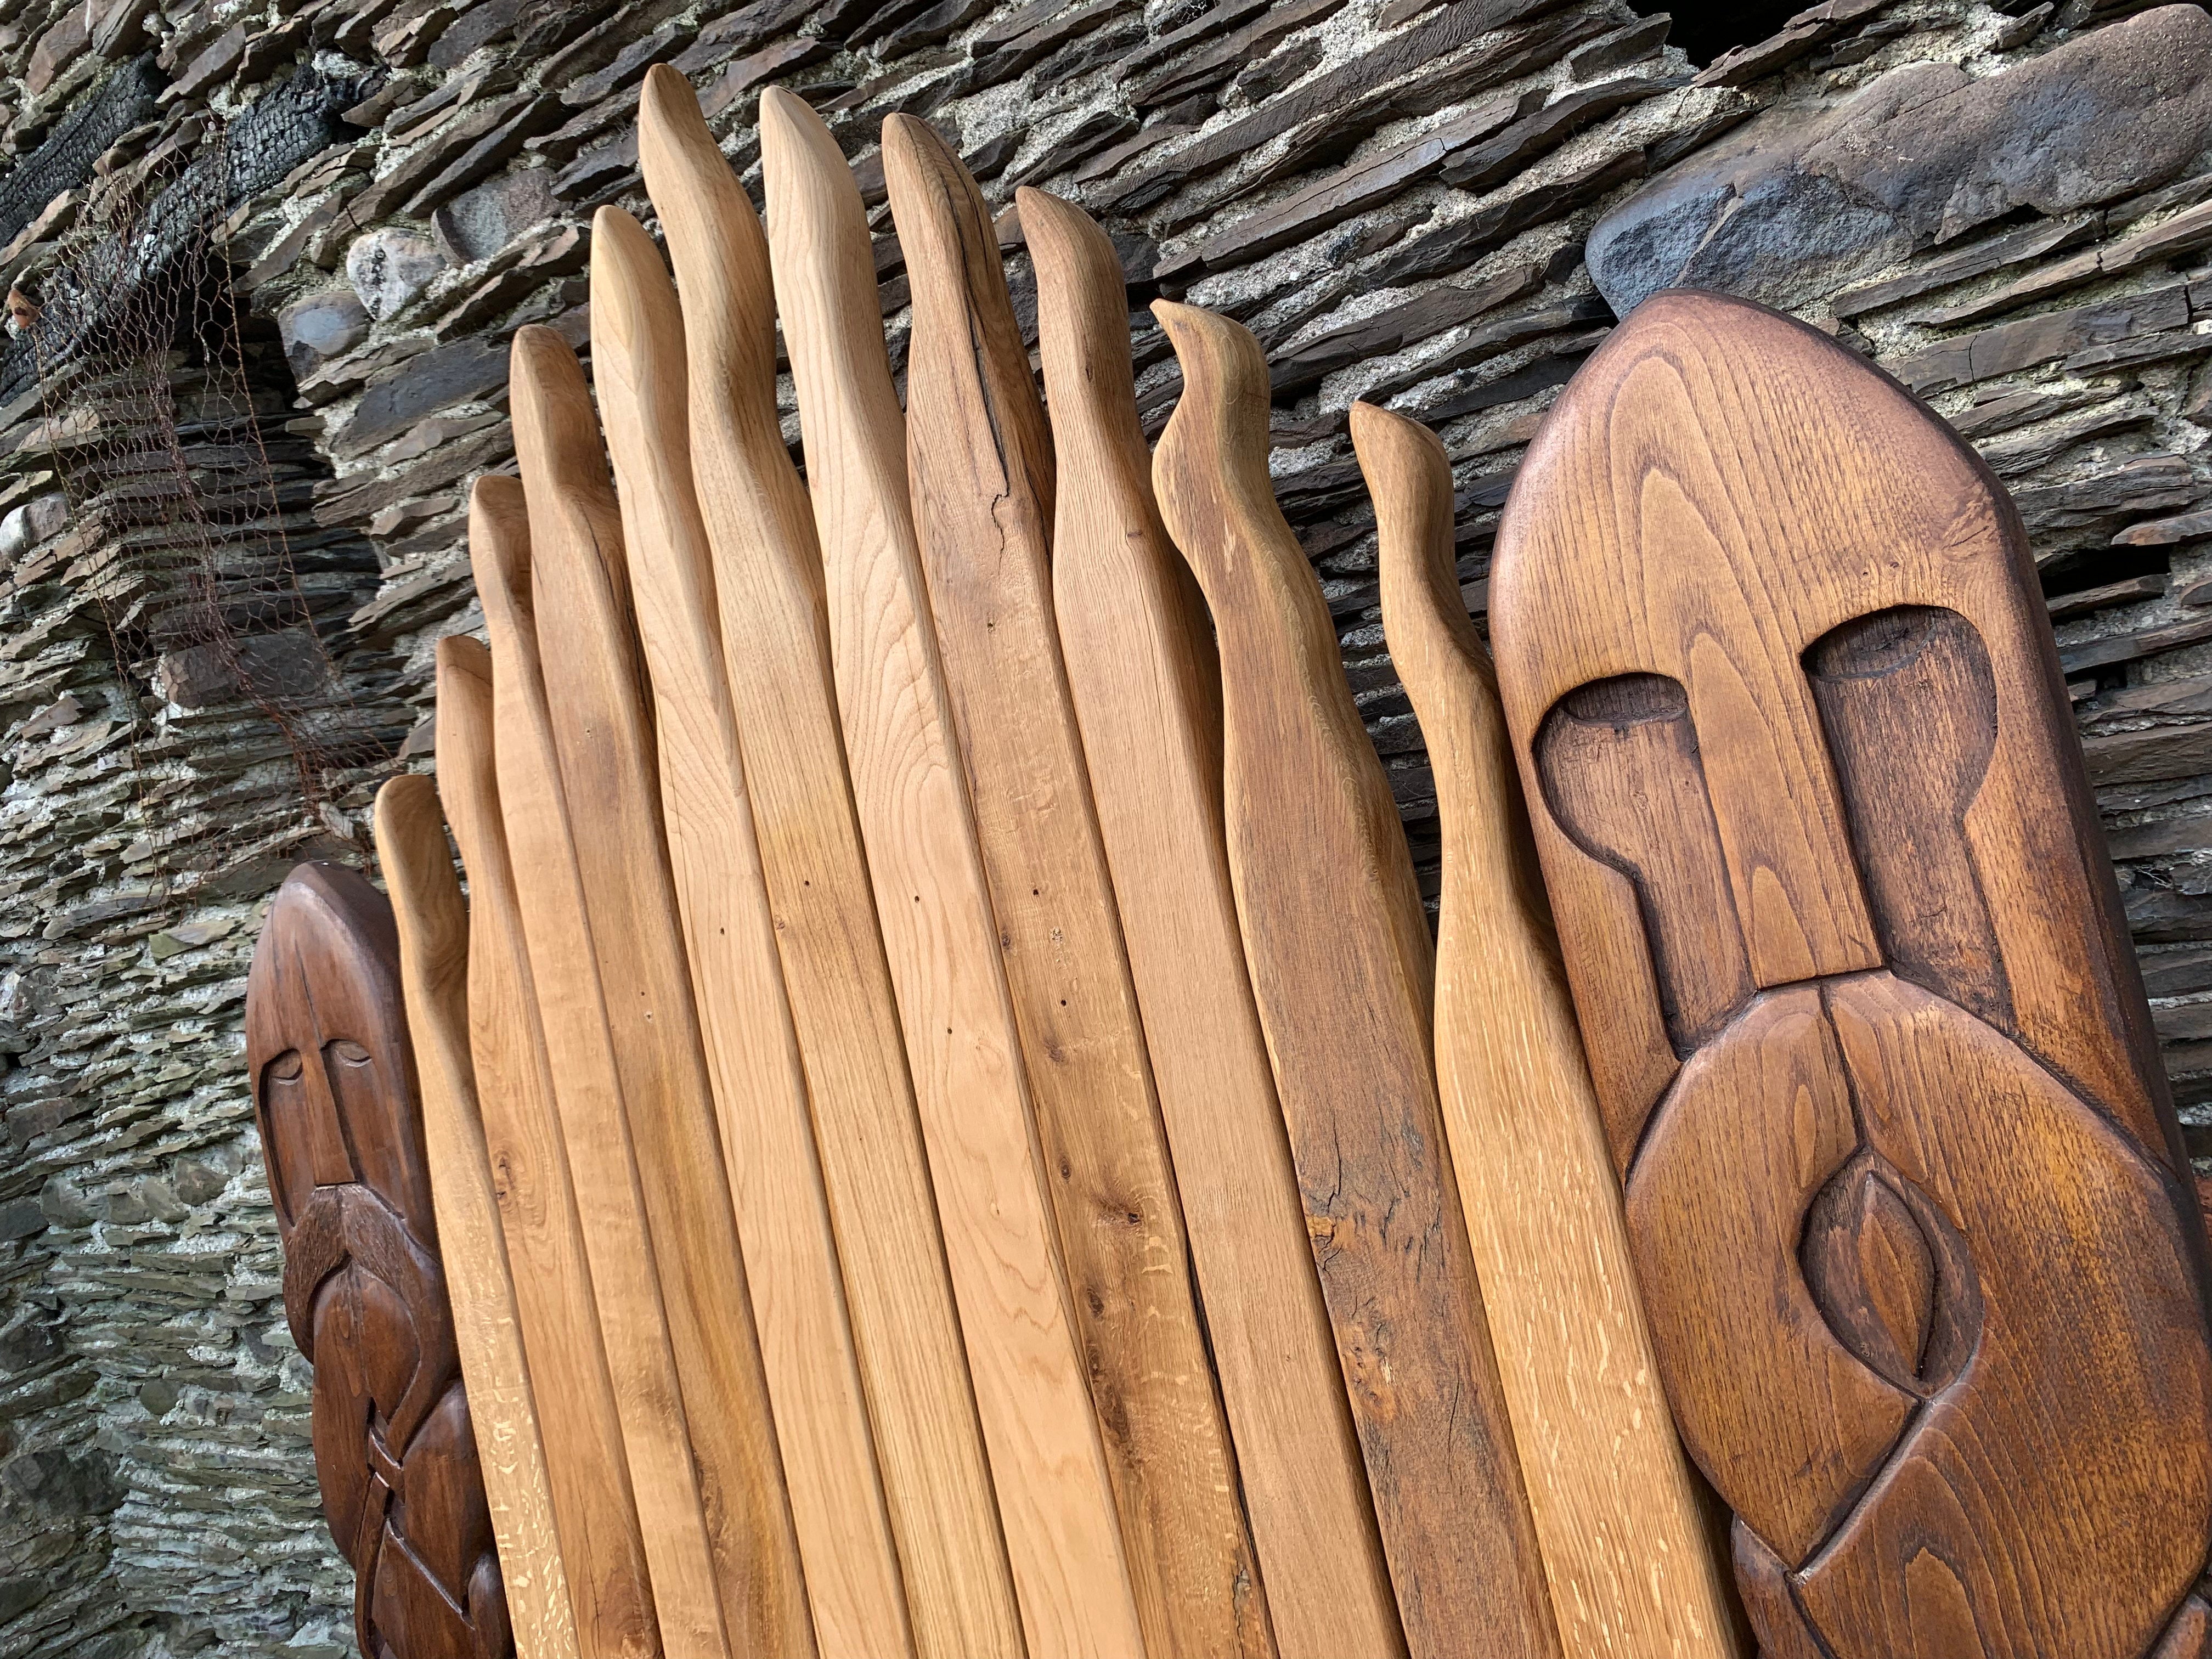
(1901, 1176)
(341, 1122)
(604, 744)
(1341, 962)
(608, 1587)
(1625, 1549)
(595, 1125)
(909, 806)
(980, 459)
(1146, 687)
(434, 972)
(859, 1113)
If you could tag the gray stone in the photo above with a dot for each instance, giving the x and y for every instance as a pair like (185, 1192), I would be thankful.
(479, 222)
(463, 372)
(320, 327)
(64, 1203)
(1795, 206)
(199, 1180)
(389, 267)
(22, 1218)
(27, 526)
(59, 1483)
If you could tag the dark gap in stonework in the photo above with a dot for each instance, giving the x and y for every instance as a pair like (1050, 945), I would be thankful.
(1707, 28)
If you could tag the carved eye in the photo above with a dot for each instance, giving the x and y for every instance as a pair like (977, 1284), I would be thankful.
(286, 1067)
(1872, 1271)
(348, 1051)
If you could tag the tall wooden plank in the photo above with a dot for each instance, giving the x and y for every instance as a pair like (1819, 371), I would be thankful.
(949, 1008)
(595, 1121)
(609, 1585)
(433, 975)
(904, 784)
(604, 742)
(980, 458)
(1146, 686)
(883, 1263)
(1626, 1550)
(1341, 964)
(1921, 1258)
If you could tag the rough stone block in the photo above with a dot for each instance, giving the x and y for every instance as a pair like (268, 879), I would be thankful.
(320, 327)
(1796, 206)
(389, 267)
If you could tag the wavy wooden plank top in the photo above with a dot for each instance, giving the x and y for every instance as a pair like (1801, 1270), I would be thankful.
(1146, 691)
(1341, 964)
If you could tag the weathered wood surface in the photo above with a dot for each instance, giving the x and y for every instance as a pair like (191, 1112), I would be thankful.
(905, 784)
(607, 1161)
(1146, 691)
(604, 744)
(1904, 1191)
(340, 1123)
(608, 1587)
(432, 923)
(1626, 1550)
(849, 1334)
(1341, 962)
(980, 458)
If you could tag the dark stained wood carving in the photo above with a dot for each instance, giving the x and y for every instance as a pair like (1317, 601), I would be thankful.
(1904, 1190)
(334, 1093)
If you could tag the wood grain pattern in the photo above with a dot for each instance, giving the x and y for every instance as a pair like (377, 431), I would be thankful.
(604, 744)
(980, 458)
(1146, 688)
(433, 921)
(335, 1099)
(609, 1585)
(604, 1156)
(908, 804)
(1924, 1282)
(1341, 962)
(881, 1268)
(1616, 1510)
(1046, 1464)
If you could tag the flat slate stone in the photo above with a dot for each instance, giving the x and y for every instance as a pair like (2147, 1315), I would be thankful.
(1455, 246)
(1497, 160)
(1795, 208)
(2009, 346)
(463, 372)
(1353, 190)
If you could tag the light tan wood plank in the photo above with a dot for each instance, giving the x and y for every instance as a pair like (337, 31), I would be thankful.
(1626, 1550)
(980, 459)
(1146, 688)
(588, 1087)
(1341, 963)
(868, 1144)
(434, 972)
(609, 1585)
(1046, 1466)
(603, 741)
(959, 1586)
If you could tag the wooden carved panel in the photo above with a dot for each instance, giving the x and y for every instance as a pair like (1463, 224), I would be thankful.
(1905, 1192)
(334, 1093)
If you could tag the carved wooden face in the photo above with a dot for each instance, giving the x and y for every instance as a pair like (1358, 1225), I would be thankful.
(326, 1044)
(1899, 1175)
(341, 1130)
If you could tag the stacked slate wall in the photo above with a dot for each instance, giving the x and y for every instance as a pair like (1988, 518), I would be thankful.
(216, 633)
